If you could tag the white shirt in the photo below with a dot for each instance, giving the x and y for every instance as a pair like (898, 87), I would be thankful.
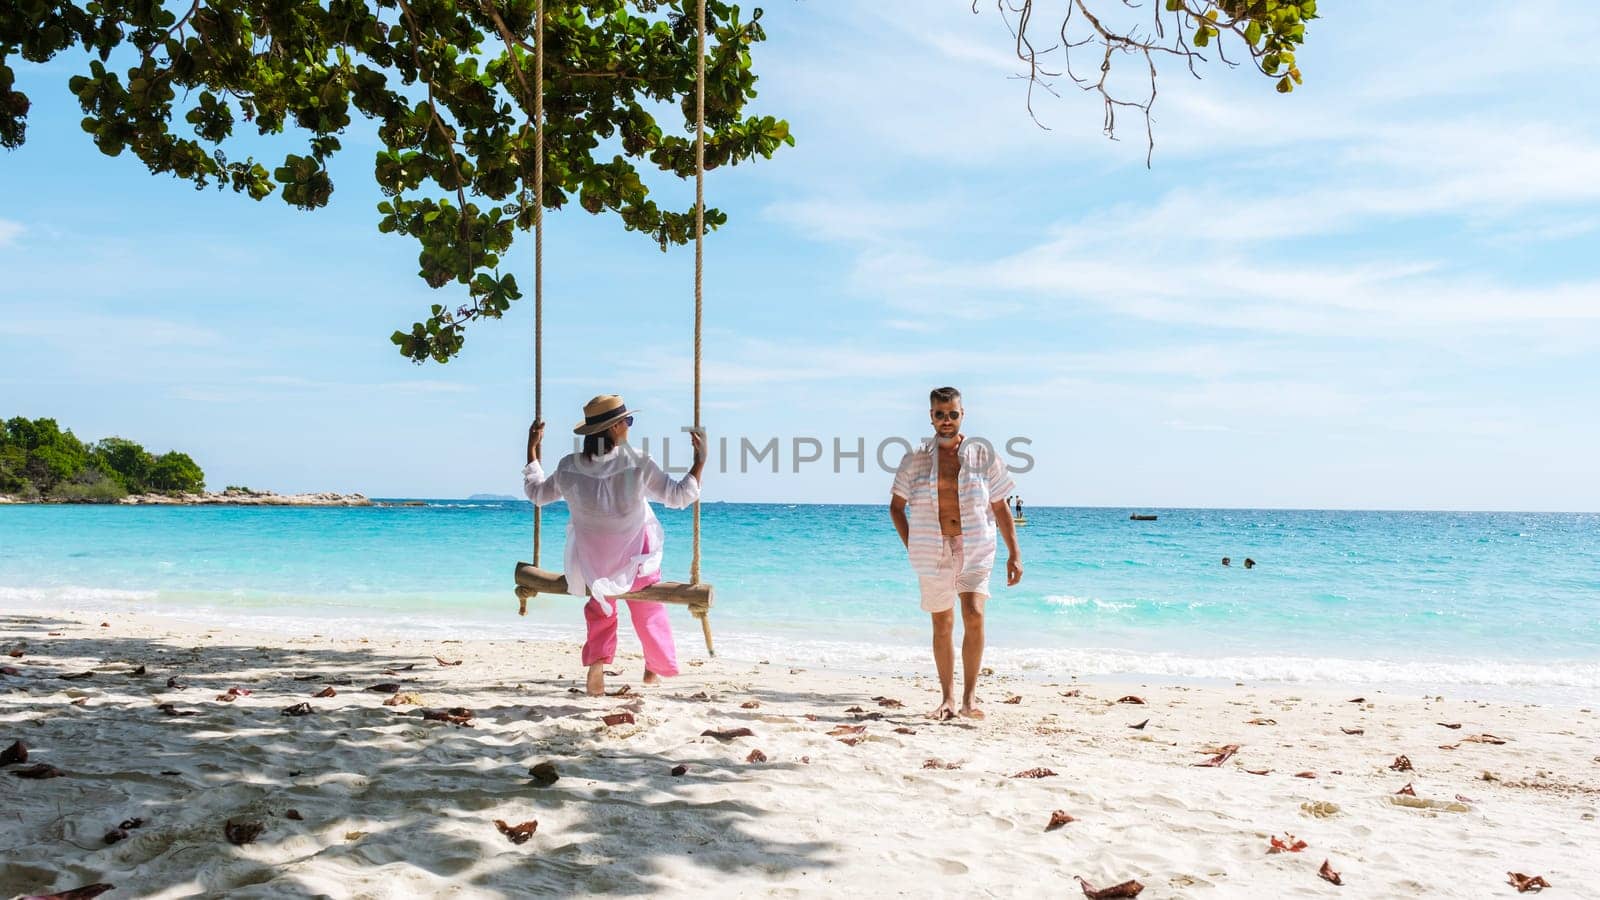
(981, 478)
(613, 537)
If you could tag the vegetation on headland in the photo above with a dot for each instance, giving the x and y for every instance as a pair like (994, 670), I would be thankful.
(40, 461)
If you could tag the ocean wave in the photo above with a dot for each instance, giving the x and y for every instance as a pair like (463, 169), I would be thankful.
(1069, 601)
(51, 597)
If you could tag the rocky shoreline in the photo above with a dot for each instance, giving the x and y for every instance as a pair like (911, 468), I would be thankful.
(230, 497)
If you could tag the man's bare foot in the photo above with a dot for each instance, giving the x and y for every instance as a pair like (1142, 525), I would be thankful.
(970, 710)
(943, 712)
(651, 677)
(597, 680)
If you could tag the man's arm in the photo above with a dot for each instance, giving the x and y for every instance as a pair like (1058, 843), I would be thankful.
(1008, 530)
(897, 512)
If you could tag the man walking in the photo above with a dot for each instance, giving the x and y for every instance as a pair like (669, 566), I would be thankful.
(948, 501)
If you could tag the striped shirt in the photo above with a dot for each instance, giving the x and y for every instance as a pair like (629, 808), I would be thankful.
(983, 480)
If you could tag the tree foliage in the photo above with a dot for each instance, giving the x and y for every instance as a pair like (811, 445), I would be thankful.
(39, 460)
(448, 88)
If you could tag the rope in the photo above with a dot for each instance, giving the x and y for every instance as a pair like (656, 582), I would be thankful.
(699, 246)
(538, 244)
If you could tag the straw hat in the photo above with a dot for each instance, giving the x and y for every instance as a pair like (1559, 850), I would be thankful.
(601, 413)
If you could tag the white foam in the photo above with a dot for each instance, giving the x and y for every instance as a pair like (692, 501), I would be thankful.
(1069, 601)
(51, 598)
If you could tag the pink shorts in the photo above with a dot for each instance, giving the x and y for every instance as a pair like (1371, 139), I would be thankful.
(941, 589)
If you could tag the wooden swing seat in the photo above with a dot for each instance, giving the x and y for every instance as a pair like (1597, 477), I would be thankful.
(532, 580)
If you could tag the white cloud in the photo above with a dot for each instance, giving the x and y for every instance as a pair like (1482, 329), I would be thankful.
(9, 232)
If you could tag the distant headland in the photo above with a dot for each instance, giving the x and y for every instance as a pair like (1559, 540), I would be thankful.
(42, 463)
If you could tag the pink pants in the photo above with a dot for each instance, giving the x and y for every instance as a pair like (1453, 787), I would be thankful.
(650, 623)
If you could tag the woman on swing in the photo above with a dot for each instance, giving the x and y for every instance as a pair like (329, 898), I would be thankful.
(613, 539)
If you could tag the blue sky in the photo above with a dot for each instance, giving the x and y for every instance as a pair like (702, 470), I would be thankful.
(1381, 291)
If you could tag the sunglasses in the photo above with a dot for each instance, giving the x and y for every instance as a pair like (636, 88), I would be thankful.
(627, 420)
(942, 416)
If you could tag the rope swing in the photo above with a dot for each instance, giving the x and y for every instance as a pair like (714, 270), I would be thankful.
(530, 579)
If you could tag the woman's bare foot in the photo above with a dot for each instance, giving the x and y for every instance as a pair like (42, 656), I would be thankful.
(942, 712)
(597, 680)
(651, 677)
(970, 709)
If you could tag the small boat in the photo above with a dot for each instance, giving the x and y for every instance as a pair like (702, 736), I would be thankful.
(1140, 517)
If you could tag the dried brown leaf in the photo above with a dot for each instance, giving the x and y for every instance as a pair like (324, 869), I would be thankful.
(1039, 772)
(622, 691)
(1353, 730)
(15, 654)
(405, 698)
(1114, 892)
(904, 730)
(10, 670)
(172, 710)
(241, 833)
(889, 702)
(175, 684)
(727, 734)
(1014, 699)
(1072, 693)
(1140, 726)
(299, 709)
(1401, 764)
(517, 834)
(1289, 844)
(455, 715)
(847, 729)
(294, 814)
(1131, 699)
(16, 753)
(1408, 790)
(326, 692)
(936, 763)
(679, 771)
(1525, 883)
(1259, 771)
(1483, 739)
(1356, 700)
(1221, 755)
(544, 774)
(750, 704)
(1450, 725)
(621, 718)
(139, 670)
(1306, 774)
(756, 756)
(387, 687)
(1262, 722)
(854, 709)
(850, 741)
(1328, 874)
(75, 676)
(445, 662)
(1058, 818)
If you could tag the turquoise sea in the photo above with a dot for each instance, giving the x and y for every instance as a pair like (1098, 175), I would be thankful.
(1487, 604)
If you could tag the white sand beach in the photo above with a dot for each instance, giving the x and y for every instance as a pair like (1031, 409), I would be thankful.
(362, 799)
